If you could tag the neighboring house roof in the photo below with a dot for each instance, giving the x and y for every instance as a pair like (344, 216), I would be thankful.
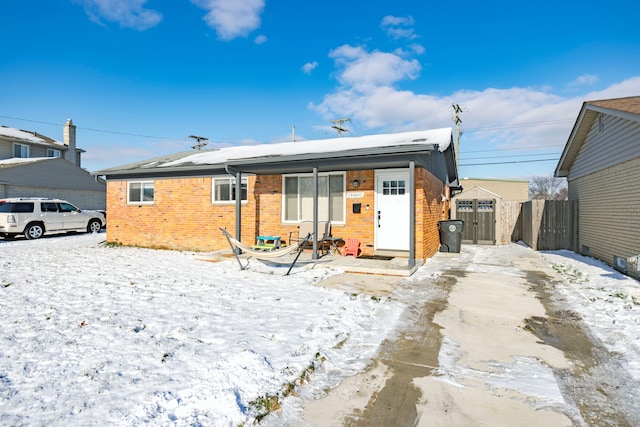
(19, 135)
(626, 108)
(476, 189)
(462, 180)
(429, 148)
(47, 172)
(17, 161)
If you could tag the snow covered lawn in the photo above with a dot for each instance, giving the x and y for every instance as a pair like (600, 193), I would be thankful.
(99, 335)
(113, 336)
(607, 301)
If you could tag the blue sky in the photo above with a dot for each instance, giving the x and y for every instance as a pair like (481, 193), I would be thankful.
(139, 76)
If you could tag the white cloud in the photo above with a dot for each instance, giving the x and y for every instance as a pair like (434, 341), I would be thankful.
(502, 117)
(232, 18)
(365, 70)
(309, 67)
(584, 80)
(394, 21)
(417, 48)
(128, 13)
(398, 27)
(587, 79)
(261, 39)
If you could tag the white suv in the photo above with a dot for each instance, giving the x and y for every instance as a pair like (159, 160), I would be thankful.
(36, 216)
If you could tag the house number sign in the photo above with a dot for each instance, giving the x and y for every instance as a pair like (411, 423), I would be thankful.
(355, 195)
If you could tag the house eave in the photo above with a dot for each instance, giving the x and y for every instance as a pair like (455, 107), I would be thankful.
(587, 116)
(577, 137)
(359, 159)
(169, 172)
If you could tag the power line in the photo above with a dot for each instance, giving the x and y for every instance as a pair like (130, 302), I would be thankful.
(530, 147)
(517, 125)
(337, 125)
(98, 130)
(510, 155)
(457, 120)
(202, 141)
(511, 162)
(520, 125)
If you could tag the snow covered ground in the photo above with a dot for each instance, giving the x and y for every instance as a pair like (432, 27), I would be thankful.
(100, 335)
(607, 300)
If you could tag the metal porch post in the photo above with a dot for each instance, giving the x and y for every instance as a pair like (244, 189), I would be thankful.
(315, 213)
(239, 206)
(412, 214)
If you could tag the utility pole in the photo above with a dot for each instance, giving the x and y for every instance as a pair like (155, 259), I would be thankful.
(457, 110)
(200, 140)
(337, 125)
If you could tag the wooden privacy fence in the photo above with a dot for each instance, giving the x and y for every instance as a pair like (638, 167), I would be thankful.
(541, 224)
(510, 221)
(547, 224)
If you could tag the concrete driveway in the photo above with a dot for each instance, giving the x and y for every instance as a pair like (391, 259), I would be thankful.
(485, 343)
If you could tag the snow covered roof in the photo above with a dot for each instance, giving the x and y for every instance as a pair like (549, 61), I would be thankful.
(439, 137)
(28, 136)
(334, 151)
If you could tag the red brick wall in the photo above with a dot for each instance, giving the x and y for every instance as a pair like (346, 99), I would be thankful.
(268, 205)
(430, 208)
(360, 226)
(183, 217)
(268, 199)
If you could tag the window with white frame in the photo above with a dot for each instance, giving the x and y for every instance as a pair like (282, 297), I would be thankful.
(224, 189)
(140, 192)
(298, 197)
(53, 153)
(21, 150)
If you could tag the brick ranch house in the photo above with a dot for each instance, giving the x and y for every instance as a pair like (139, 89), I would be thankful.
(388, 191)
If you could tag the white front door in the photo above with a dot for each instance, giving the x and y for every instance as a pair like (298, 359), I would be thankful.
(392, 210)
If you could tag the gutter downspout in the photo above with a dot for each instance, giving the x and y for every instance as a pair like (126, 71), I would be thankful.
(412, 214)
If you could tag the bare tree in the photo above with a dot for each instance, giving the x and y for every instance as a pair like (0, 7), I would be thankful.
(562, 193)
(548, 188)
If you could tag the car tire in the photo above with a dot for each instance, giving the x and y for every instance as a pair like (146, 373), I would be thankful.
(94, 226)
(34, 231)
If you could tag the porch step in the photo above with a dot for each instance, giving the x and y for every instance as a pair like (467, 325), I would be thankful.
(397, 254)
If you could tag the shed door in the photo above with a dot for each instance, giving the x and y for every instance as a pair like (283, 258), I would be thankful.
(479, 216)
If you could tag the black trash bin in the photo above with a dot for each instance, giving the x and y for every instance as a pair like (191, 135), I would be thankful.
(450, 235)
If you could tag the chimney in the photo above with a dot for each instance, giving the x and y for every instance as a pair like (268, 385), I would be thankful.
(70, 142)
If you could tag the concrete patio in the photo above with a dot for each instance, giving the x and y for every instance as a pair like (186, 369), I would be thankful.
(398, 265)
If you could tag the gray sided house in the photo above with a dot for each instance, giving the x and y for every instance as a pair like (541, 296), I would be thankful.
(601, 162)
(34, 165)
(51, 177)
